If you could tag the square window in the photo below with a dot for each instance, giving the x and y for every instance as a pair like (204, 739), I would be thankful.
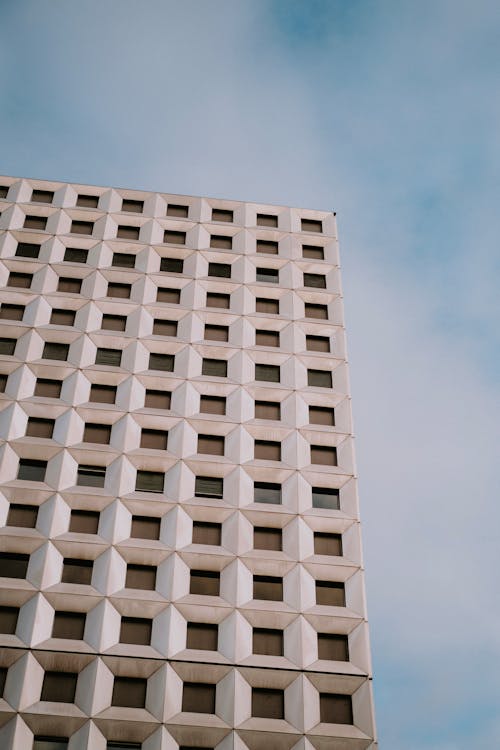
(7, 346)
(32, 470)
(42, 196)
(171, 237)
(136, 630)
(326, 498)
(330, 593)
(268, 275)
(8, 620)
(77, 571)
(212, 405)
(315, 280)
(161, 362)
(145, 527)
(335, 709)
(84, 521)
(198, 697)
(164, 327)
(63, 317)
(214, 368)
(121, 291)
(109, 357)
(268, 703)
(267, 373)
(212, 445)
(154, 439)
(267, 338)
(267, 492)
(179, 212)
(218, 300)
(267, 410)
(82, 227)
(97, 433)
(268, 450)
(14, 564)
(319, 312)
(102, 394)
(127, 232)
(27, 250)
(333, 647)
(113, 322)
(59, 687)
(267, 538)
(319, 378)
(317, 343)
(48, 388)
(204, 582)
(322, 415)
(207, 533)
(268, 306)
(11, 312)
(220, 270)
(141, 577)
(132, 206)
(311, 225)
(87, 201)
(327, 544)
(69, 625)
(202, 636)
(69, 285)
(267, 220)
(172, 265)
(157, 399)
(129, 692)
(324, 455)
(53, 350)
(221, 214)
(209, 487)
(123, 260)
(221, 241)
(75, 255)
(20, 280)
(4, 190)
(91, 476)
(40, 428)
(267, 641)
(171, 296)
(150, 481)
(267, 246)
(268, 588)
(216, 333)
(23, 516)
(35, 222)
(313, 252)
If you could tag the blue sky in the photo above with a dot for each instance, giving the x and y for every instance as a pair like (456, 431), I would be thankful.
(387, 111)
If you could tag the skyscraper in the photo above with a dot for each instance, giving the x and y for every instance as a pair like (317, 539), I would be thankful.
(181, 558)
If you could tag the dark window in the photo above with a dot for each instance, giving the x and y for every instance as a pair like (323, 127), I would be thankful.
(207, 533)
(8, 620)
(164, 327)
(198, 697)
(145, 527)
(325, 497)
(268, 703)
(157, 399)
(48, 388)
(267, 641)
(267, 410)
(75, 255)
(335, 709)
(110, 745)
(24, 516)
(180, 212)
(42, 196)
(267, 220)
(269, 275)
(155, 439)
(267, 246)
(87, 201)
(330, 593)
(35, 222)
(268, 373)
(268, 306)
(3, 679)
(149, 481)
(3, 191)
(129, 692)
(70, 285)
(172, 265)
(119, 290)
(77, 571)
(174, 238)
(42, 428)
(91, 476)
(136, 630)
(317, 343)
(311, 225)
(13, 564)
(333, 647)
(102, 394)
(203, 636)
(126, 232)
(70, 625)
(97, 433)
(218, 300)
(322, 415)
(267, 492)
(222, 241)
(123, 260)
(267, 338)
(221, 270)
(63, 317)
(324, 455)
(216, 333)
(327, 544)
(82, 227)
(27, 250)
(32, 470)
(59, 687)
(267, 538)
(212, 405)
(319, 378)
(313, 252)
(141, 577)
(268, 450)
(111, 357)
(205, 582)
(269, 588)
(222, 214)
(133, 206)
(53, 350)
(3, 382)
(214, 368)
(162, 362)
(20, 280)
(50, 743)
(316, 311)
(209, 487)
(84, 521)
(172, 296)
(315, 280)
(113, 322)
(7, 346)
(211, 444)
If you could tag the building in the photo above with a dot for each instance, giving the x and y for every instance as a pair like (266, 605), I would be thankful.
(181, 552)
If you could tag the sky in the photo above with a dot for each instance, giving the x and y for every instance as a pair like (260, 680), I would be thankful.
(388, 112)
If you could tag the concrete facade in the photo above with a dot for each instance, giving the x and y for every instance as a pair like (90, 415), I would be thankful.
(180, 545)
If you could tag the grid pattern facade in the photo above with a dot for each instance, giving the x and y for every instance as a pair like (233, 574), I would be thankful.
(180, 557)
